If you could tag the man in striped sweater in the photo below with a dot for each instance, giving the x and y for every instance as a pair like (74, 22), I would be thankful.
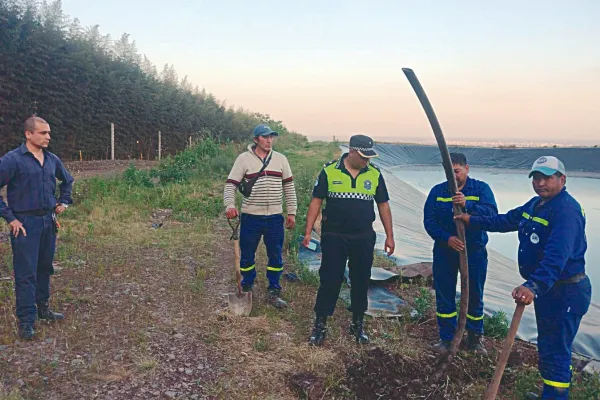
(261, 213)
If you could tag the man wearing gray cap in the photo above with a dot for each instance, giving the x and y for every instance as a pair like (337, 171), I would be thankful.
(552, 246)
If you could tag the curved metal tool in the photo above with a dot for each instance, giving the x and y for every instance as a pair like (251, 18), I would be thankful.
(460, 227)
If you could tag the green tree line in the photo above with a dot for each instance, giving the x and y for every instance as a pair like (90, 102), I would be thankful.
(81, 81)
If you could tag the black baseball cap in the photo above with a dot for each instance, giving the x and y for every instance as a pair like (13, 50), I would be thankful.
(363, 145)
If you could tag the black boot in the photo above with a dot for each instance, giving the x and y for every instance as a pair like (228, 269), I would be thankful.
(274, 299)
(319, 332)
(248, 288)
(26, 331)
(45, 314)
(474, 343)
(442, 347)
(357, 329)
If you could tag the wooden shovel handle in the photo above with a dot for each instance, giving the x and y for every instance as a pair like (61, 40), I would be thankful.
(492, 390)
(238, 273)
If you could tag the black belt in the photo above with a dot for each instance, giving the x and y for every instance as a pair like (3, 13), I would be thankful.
(573, 279)
(33, 213)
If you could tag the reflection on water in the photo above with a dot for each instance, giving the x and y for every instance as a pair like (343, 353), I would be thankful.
(514, 189)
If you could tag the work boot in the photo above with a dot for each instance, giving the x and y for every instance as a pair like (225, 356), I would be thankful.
(248, 287)
(357, 329)
(474, 343)
(26, 331)
(319, 332)
(275, 300)
(442, 347)
(45, 314)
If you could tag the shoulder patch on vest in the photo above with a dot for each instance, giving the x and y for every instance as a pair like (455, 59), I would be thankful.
(374, 167)
(327, 164)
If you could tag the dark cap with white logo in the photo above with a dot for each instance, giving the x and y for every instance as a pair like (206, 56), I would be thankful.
(363, 145)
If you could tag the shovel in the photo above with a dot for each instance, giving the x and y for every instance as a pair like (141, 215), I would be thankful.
(240, 303)
(492, 390)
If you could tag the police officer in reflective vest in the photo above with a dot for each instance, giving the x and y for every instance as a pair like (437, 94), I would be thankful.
(350, 185)
(552, 246)
(475, 197)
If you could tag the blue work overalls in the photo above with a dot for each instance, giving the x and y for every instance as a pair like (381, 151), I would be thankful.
(552, 246)
(439, 224)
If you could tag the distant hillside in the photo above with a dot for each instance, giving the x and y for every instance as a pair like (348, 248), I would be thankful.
(81, 81)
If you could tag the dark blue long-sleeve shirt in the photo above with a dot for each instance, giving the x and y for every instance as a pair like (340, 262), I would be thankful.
(31, 186)
(552, 240)
(438, 213)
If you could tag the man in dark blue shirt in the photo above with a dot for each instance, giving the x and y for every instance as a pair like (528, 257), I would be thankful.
(552, 246)
(477, 198)
(30, 174)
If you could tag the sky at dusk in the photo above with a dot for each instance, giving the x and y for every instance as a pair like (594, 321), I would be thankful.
(512, 70)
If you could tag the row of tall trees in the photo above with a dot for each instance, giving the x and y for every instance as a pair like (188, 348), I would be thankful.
(81, 80)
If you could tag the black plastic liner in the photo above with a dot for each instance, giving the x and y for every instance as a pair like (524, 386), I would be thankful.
(576, 159)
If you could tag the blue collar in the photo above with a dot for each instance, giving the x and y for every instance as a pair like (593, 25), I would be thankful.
(24, 150)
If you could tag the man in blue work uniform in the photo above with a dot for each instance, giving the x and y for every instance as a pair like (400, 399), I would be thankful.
(475, 197)
(351, 186)
(552, 246)
(30, 174)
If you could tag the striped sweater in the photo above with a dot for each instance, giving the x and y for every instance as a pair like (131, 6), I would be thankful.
(267, 193)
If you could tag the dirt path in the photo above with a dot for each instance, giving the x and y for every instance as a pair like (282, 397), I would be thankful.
(132, 319)
(148, 320)
(131, 330)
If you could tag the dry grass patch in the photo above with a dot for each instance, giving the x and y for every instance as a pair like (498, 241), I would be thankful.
(12, 394)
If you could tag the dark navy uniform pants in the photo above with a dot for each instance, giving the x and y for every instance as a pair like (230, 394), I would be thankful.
(337, 250)
(32, 263)
(558, 314)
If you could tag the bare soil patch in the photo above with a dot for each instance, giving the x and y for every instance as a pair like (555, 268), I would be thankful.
(86, 169)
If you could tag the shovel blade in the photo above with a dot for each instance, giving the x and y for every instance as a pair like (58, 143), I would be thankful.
(241, 305)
